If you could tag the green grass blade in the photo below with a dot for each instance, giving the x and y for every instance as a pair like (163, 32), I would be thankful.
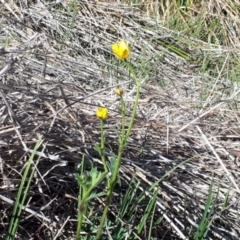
(205, 223)
(22, 194)
(148, 211)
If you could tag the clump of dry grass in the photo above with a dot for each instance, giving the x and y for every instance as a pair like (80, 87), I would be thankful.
(56, 68)
(213, 21)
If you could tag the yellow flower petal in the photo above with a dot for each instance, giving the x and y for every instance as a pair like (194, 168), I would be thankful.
(121, 49)
(102, 113)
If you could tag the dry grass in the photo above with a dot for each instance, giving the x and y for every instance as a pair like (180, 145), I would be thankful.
(57, 68)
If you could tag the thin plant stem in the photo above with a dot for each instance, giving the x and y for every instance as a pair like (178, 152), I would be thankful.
(80, 216)
(138, 85)
(122, 144)
(124, 139)
(123, 113)
(80, 196)
(102, 147)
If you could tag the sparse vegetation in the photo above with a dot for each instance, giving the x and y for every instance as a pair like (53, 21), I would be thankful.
(170, 171)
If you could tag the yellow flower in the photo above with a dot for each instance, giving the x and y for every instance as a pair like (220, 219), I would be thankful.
(121, 49)
(119, 91)
(102, 113)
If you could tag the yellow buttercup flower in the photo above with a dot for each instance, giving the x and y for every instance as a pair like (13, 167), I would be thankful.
(119, 91)
(102, 113)
(121, 49)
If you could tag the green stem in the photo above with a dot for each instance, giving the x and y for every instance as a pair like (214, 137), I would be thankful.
(123, 114)
(124, 138)
(80, 222)
(81, 209)
(122, 144)
(138, 85)
(105, 212)
(102, 147)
